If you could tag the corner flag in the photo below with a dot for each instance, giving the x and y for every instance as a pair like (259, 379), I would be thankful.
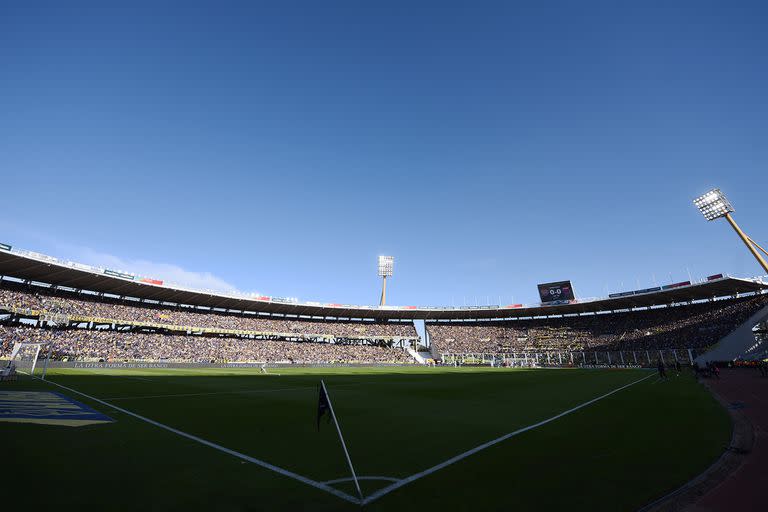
(324, 405)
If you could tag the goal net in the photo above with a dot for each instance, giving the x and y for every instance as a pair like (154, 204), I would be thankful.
(28, 358)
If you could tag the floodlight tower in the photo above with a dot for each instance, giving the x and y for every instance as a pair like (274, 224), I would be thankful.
(386, 264)
(714, 205)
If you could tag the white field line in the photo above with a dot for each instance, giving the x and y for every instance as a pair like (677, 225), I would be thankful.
(386, 490)
(95, 370)
(122, 376)
(266, 465)
(324, 485)
(349, 479)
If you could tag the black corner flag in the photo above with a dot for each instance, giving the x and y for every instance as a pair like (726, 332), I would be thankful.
(323, 406)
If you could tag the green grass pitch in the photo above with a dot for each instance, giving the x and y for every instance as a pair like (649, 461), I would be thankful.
(617, 453)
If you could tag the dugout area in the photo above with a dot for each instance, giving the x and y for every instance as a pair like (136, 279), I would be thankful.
(630, 439)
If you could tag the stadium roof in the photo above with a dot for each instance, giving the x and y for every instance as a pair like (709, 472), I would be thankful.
(27, 265)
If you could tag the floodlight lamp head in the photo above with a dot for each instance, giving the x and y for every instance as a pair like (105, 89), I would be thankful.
(713, 204)
(386, 265)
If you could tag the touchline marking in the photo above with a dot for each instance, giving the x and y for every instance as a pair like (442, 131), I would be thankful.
(96, 370)
(119, 376)
(324, 485)
(267, 465)
(386, 490)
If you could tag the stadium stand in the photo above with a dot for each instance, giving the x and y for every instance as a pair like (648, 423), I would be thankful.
(100, 328)
(100, 310)
(681, 326)
(111, 346)
(112, 315)
(104, 329)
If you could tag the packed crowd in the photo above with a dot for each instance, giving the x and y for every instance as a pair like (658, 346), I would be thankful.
(686, 326)
(111, 346)
(692, 326)
(99, 307)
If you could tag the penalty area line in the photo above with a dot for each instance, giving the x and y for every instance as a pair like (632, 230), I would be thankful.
(258, 462)
(386, 490)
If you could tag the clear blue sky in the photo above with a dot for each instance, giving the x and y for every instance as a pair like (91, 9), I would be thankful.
(488, 146)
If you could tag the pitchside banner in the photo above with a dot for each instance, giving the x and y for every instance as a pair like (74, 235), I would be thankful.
(634, 292)
(555, 292)
(676, 285)
(115, 273)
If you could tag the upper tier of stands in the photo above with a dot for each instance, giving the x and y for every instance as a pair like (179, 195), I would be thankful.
(82, 308)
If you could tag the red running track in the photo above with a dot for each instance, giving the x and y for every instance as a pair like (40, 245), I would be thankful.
(746, 489)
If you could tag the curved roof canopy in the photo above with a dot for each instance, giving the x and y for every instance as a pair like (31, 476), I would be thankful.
(32, 266)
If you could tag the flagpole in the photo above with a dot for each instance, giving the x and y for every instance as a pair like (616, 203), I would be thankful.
(343, 444)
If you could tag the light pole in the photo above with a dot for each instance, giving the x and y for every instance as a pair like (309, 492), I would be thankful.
(386, 265)
(714, 205)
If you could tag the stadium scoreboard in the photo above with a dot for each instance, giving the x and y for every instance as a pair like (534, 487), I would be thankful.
(556, 293)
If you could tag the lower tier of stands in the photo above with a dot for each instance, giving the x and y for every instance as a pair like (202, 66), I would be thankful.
(223, 337)
(111, 345)
(694, 326)
(34, 301)
(584, 358)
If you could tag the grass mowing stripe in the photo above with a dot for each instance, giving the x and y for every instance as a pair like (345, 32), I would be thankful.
(258, 462)
(381, 492)
(140, 397)
(234, 392)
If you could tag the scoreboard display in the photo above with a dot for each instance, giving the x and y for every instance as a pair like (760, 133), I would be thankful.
(556, 292)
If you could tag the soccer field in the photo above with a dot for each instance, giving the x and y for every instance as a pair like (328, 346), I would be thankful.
(413, 434)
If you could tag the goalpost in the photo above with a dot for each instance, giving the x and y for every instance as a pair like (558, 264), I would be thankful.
(26, 358)
(31, 358)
